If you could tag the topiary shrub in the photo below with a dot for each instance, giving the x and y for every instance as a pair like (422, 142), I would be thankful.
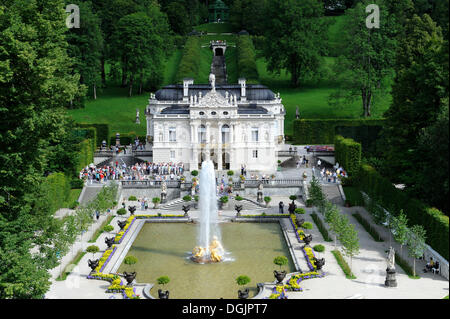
(121, 211)
(194, 173)
(307, 225)
(300, 211)
(293, 197)
(319, 248)
(132, 198)
(108, 228)
(187, 198)
(230, 173)
(239, 198)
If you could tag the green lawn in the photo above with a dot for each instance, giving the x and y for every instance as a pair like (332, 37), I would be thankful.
(215, 28)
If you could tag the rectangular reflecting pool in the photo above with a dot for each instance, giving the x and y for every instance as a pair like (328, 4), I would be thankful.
(164, 250)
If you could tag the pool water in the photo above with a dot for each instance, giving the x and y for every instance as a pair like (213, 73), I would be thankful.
(164, 250)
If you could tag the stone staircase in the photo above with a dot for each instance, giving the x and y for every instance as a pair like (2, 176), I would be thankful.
(218, 68)
(333, 194)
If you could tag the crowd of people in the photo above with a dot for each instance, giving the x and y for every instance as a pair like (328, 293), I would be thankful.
(137, 172)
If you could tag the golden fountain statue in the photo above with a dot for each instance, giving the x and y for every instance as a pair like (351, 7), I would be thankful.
(200, 254)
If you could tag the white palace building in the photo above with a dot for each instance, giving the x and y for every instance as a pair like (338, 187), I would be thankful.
(231, 125)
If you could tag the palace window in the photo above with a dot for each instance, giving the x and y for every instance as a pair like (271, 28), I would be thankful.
(172, 154)
(255, 134)
(172, 134)
(225, 134)
(255, 154)
(202, 134)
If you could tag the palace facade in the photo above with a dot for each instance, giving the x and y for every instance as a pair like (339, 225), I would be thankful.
(231, 125)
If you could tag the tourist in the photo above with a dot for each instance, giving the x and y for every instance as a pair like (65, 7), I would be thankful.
(281, 207)
(97, 214)
(430, 265)
(319, 163)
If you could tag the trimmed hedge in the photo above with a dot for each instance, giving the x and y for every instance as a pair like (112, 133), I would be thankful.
(368, 227)
(86, 154)
(321, 227)
(246, 59)
(392, 199)
(54, 191)
(343, 264)
(126, 139)
(323, 131)
(102, 132)
(348, 154)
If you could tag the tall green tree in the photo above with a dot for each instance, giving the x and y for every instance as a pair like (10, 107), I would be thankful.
(364, 70)
(36, 82)
(86, 48)
(295, 37)
(178, 18)
(350, 243)
(140, 46)
(419, 90)
(416, 243)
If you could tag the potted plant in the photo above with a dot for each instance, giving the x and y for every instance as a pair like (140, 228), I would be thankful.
(121, 211)
(230, 173)
(93, 250)
(267, 200)
(130, 276)
(223, 201)
(196, 198)
(187, 198)
(163, 280)
(242, 178)
(194, 173)
(242, 281)
(156, 201)
(108, 228)
(280, 275)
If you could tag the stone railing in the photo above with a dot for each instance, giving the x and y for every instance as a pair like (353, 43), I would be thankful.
(286, 153)
(149, 184)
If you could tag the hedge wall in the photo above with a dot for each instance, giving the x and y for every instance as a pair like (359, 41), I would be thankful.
(54, 191)
(348, 154)
(127, 139)
(323, 131)
(102, 132)
(190, 61)
(86, 154)
(384, 192)
(246, 59)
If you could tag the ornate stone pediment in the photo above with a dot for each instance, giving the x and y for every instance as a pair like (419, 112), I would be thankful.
(213, 99)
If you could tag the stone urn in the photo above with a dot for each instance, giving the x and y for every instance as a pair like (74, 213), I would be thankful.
(163, 294)
(109, 241)
(243, 294)
(186, 210)
(238, 209)
(305, 176)
(132, 210)
(307, 239)
(129, 277)
(93, 264)
(279, 275)
(122, 224)
(319, 263)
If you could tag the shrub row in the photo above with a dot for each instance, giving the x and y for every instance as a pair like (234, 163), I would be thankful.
(343, 264)
(85, 155)
(54, 191)
(126, 139)
(321, 227)
(347, 153)
(323, 131)
(189, 66)
(246, 59)
(364, 223)
(382, 191)
(102, 132)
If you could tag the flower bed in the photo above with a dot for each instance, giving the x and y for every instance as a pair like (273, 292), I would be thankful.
(162, 216)
(299, 233)
(278, 292)
(309, 255)
(294, 281)
(121, 235)
(265, 216)
(107, 255)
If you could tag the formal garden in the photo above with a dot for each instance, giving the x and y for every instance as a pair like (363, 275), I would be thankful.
(377, 95)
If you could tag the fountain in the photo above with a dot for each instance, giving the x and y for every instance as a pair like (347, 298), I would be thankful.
(209, 249)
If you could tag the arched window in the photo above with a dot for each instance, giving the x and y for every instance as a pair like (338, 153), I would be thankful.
(225, 134)
(202, 134)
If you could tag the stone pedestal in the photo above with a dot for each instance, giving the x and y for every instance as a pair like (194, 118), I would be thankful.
(163, 198)
(391, 281)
